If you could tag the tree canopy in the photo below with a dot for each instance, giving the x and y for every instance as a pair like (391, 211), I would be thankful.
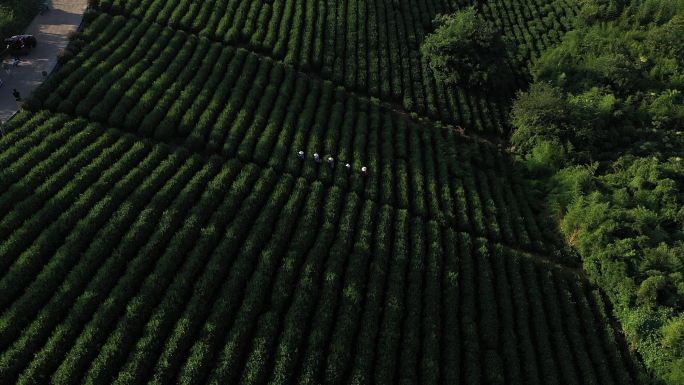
(466, 50)
(604, 121)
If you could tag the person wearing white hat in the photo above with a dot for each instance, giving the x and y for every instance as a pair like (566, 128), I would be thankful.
(348, 166)
(331, 161)
(364, 170)
(317, 157)
(300, 155)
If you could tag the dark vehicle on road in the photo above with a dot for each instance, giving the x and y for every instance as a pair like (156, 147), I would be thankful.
(20, 44)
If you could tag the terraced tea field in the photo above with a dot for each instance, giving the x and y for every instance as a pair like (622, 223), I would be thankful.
(157, 225)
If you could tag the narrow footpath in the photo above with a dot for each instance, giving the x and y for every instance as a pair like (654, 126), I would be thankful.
(51, 30)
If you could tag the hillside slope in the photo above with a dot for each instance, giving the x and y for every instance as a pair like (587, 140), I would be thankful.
(158, 227)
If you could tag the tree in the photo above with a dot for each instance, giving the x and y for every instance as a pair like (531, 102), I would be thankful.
(540, 115)
(466, 50)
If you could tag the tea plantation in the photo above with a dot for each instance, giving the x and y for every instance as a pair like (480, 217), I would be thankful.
(158, 226)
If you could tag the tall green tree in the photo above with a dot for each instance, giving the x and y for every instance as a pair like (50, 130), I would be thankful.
(466, 50)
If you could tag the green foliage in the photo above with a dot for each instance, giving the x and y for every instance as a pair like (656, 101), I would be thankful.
(593, 11)
(627, 224)
(645, 12)
(466, 50)
(568, 184)
(614, 86)
(673, 335)
(641, 202)
(618, 85)
(541, 116)
(667, 109)
(673, 340)
(15, 15)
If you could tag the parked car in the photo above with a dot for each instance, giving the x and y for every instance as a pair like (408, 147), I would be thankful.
(20, 43)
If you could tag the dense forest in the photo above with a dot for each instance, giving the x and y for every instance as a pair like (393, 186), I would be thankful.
(601, 131)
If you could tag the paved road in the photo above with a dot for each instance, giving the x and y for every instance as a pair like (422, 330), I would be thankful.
(51, 30)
